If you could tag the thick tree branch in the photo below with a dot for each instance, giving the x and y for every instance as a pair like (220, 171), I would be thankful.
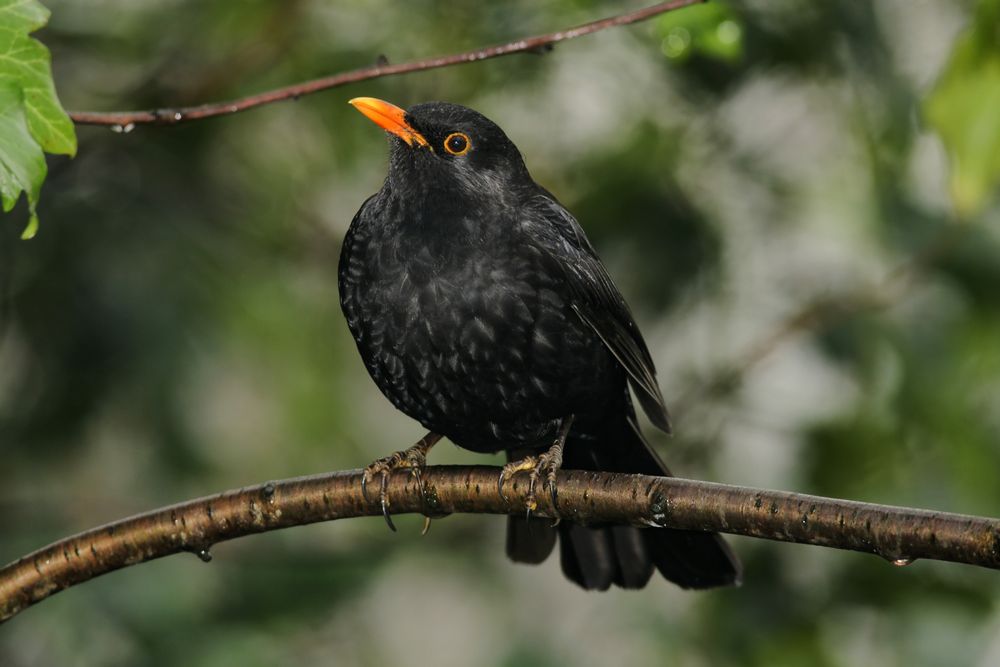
(537, 44)
(898, 534)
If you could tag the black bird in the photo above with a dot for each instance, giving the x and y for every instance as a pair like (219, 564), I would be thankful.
(481, 310)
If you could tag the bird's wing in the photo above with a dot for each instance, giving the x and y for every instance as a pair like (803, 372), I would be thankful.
(597, 301)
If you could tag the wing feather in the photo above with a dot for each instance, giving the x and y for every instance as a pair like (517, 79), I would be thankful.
(599, 304)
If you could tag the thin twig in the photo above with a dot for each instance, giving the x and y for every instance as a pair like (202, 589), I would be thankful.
(537, 44)
(900, 535)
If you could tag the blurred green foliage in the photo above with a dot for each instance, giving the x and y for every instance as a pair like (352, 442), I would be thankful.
(963, 108)
(710, 30)
(173, 330)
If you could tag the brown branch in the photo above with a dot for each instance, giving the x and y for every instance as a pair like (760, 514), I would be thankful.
(537, 44)
(898, 534)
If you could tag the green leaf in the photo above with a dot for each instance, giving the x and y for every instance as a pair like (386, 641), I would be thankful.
(964, 108)
(31, 118)
(22, 163)
(26, 63)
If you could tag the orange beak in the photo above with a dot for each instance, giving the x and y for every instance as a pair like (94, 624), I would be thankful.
(389, 117)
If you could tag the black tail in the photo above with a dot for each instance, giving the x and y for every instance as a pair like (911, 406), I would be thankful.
(597, 556)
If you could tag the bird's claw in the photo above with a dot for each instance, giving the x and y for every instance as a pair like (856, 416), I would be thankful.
(549, 463)
(414, 458)
(383, 497)
(511, 469)
(381, 469)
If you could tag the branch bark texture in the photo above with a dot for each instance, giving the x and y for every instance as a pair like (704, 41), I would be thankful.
(900, 535)
(537, 44)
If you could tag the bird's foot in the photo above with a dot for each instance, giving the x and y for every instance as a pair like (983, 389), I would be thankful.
(547, 464)
(511, 469)
(414, 459)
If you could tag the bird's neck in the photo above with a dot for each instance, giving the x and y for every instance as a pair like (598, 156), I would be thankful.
(448, 219)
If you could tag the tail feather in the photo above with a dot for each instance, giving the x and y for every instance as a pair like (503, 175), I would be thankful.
(587, 556)
(635, 560)
(530, 540)
(595, 557)
(692, 559)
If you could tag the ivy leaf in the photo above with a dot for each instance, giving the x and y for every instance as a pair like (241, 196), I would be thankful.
(31, 118)
(22, 163)
(964, 108)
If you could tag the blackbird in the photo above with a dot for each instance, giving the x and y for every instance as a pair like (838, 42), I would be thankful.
(481, 310)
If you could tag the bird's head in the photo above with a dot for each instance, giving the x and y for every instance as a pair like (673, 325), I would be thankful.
(438, 145)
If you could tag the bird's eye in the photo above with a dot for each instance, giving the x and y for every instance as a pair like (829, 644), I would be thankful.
(457, 143)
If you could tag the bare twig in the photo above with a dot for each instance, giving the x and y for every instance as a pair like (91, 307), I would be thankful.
(537, 44)
(900, 535)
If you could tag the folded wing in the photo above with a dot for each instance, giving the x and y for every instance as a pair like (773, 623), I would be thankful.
(597, 301)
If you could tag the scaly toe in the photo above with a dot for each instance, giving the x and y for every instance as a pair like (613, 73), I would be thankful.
(414, 458)
(379, 467)
(511, 469)
(553, 490)
(531, 502)
(384, 500)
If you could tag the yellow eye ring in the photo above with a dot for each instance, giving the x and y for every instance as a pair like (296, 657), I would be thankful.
(457, 143)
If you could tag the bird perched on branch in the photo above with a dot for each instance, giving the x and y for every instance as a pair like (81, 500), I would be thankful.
(481, 310)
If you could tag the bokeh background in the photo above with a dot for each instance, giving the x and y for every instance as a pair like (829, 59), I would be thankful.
(763, 183)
